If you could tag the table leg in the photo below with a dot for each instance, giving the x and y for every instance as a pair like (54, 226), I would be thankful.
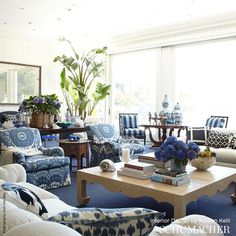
(82, 197)
(179, 209)
(233, 196)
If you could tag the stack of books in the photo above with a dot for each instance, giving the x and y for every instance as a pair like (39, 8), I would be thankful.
(150, 158)
(172, 178)
(137, 169)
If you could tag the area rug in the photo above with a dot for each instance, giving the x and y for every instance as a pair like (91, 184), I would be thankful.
(218, 207)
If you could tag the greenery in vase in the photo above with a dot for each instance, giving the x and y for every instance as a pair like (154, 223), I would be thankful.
(43, 103)
(177, 150)
(79, 80)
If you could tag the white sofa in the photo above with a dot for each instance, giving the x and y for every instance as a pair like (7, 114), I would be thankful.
(16, 221)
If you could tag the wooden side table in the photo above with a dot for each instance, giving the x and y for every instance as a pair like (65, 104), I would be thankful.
(78, 149)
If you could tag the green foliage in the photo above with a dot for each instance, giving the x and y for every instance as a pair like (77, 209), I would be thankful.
(79, 84)
(43, 103)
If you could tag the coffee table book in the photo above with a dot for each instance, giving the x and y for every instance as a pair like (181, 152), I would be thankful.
(138, 174)
(180, 180)
(137, 165)
(150, 158)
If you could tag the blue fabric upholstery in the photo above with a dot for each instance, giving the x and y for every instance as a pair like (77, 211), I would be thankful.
(104, 144)
(129, 121)
(51, 169)
(129, 126)
(120, 221)
(215, 122)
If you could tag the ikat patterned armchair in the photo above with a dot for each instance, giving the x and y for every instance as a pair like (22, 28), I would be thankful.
(45, 167)
(105, 143)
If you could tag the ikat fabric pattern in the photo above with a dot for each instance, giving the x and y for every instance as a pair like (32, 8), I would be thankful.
(218, 139)
(101, 131)
(106, 222)
(49, 170)
(25, 199)
(21, 137)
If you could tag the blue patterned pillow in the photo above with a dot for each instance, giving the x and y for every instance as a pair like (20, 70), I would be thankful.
(25, 199)
(119, 221)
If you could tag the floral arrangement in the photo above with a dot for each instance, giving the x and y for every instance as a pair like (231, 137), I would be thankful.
(177, 150)
(207, 153)
(43, 103)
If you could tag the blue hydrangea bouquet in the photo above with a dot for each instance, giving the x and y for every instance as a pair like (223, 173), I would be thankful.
(180, 152)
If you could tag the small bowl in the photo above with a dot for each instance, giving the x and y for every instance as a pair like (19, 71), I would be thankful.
(203, 163)
(64, 124)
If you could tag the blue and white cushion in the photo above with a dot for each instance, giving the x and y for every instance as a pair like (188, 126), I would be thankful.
(121, 221)
(215, 122)
(24, 198)
(137, 133)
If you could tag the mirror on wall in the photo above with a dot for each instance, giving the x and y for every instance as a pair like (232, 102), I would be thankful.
(18, 81)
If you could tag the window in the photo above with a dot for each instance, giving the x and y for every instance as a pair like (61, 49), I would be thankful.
(204, 76)
(134, 86)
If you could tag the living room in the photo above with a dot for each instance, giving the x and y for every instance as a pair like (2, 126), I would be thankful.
(188, 50)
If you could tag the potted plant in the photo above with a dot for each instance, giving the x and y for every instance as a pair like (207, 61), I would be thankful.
(43, 108)
(79, 80)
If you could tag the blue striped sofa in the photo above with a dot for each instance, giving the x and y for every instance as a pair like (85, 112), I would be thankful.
(129, 126)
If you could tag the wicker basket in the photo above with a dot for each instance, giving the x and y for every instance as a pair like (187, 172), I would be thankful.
(41, 120)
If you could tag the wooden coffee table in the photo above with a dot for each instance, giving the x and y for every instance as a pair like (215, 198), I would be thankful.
(208, 182)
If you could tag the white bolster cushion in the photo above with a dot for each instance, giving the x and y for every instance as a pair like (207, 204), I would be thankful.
(42, 228)
(13, 173)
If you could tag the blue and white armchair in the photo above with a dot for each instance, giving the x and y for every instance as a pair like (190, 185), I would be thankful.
(45, 167)
(105, 143)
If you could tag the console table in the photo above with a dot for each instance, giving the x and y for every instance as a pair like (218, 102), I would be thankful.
(45, 131)
(162, 132)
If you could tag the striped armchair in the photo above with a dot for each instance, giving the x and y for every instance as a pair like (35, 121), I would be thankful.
(129, 126)
(217, 122)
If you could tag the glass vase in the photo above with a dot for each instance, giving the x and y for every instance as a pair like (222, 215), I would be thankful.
(177, 166)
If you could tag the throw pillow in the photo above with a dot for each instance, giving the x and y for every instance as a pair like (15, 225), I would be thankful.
(218, 139)
(215, 122)
(232, 142)
(121, 221)
(24, 198)
(12, 118)
(197, 135)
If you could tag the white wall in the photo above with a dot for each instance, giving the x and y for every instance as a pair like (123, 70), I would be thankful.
(17, 48)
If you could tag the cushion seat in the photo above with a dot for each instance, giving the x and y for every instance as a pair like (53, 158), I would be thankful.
(136, 132)
(42, 162)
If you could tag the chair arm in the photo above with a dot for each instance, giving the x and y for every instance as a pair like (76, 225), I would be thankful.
(13, 173)
(19, 157)
(53, 151)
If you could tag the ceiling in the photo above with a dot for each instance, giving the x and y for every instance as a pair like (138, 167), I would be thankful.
(100, 20)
